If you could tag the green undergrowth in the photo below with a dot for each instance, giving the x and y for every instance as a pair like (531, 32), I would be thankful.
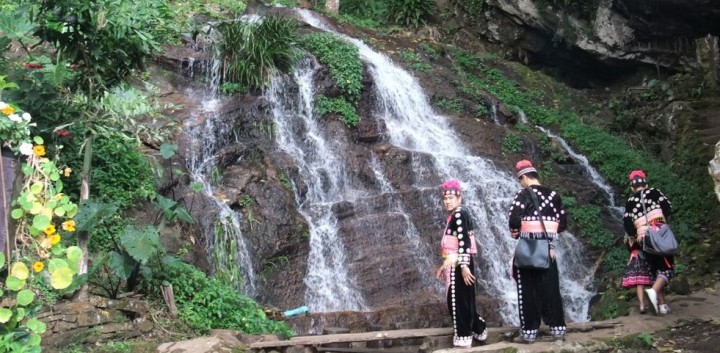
(346, 68)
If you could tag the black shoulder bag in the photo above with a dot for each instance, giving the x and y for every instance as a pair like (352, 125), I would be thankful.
(533, 253)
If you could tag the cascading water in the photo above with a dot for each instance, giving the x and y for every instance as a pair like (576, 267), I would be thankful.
(329, 286)
(413, 126)
(494, 114)
(595, 176)
(208, 133)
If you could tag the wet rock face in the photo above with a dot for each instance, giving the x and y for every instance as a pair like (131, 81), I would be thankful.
(606, 38)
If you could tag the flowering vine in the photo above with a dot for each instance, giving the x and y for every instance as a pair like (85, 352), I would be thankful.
(43, 217)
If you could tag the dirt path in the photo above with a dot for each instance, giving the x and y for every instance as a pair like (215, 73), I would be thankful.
(691, 326)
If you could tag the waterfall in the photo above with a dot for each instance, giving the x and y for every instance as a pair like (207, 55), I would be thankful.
(494, 114)
(415, 127)
(208, 133)
(522, 117)
(328, 285)
(595, 176)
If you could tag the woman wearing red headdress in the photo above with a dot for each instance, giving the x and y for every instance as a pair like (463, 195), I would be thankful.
(458, 247)
(644, 207)
(538, 289)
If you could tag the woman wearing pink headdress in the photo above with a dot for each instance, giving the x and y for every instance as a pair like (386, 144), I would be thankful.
(458, 247)
(644, 207)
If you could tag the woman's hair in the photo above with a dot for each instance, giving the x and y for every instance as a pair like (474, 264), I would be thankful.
(533, 175)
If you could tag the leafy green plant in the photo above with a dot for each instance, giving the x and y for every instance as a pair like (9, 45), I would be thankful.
(410, 13)
(232, 88)
(414, 60)
(646, 338)
(206, 303)
(450, 104)
(341, 58)
(339, 106)
(104, 39)
(285, 181)
(585, 219)
(252, 52)
(43, 215)
(512, 143)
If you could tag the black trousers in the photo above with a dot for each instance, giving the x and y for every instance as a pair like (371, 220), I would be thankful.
(461, 304)
(539, 299)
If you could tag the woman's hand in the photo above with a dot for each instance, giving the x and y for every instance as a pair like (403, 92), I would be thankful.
(440, 274)
(467, 276)
(552, 254)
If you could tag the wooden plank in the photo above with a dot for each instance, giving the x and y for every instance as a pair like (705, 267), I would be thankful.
(393, 334)
(367, 350)
(354, 337)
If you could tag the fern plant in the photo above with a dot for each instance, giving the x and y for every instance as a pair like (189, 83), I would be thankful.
(411, 13)
(252, 52)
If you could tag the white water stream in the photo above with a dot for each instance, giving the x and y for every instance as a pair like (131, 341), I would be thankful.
(208, 133)
(595, 176)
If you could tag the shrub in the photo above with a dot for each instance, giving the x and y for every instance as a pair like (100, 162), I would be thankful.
(120, 173)
(341, 58)
(206, 303)
(512, 143)
(411, 13)
(339, 106)
(252, 52)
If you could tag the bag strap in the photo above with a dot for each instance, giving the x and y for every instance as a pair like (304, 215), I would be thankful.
(642, 203)
(536, 202)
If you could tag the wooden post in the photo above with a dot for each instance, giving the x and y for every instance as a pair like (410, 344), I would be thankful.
(169, 296)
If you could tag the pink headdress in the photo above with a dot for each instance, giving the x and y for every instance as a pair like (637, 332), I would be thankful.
(637, 177)
(523, 167)
(451, 187)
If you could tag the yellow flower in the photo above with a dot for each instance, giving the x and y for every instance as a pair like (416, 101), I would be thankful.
(50, 229)
(39, 150)
(67, 171)
(8, 110)
(54, 239)
(38, 266)
(69, 225)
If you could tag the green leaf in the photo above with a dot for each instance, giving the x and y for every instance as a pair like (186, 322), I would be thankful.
(25, 297)
(2, 259)
(17, 213)
(141, 244)
(60, 211)
(36, 188)
(56, 264)
(91, 213)
(5, 315)
(74, 254)
(14, 284)
(19, 270)
(167, 150)
(40, 222)
(36, 326)
(34, 340)
(122, 264)
(58, 186)
(38, 140)
(61, 278)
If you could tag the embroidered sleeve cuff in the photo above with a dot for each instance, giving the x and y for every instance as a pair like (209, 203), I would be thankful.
(464, 259)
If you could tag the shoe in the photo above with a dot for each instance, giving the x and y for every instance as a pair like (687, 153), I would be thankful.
(653, 299)
(663, 309)
(643, 310)
(462, 342)
(558, 337)
(481, 337)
